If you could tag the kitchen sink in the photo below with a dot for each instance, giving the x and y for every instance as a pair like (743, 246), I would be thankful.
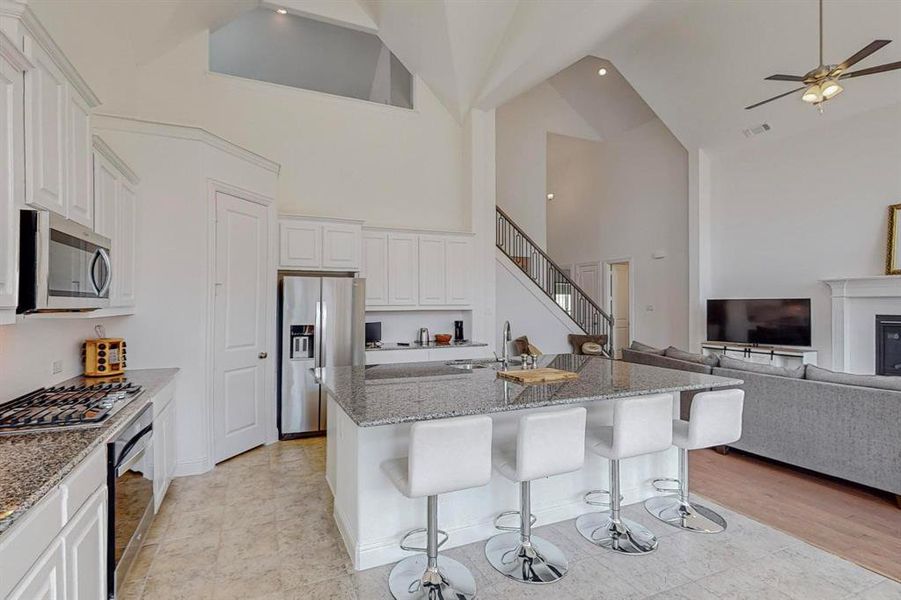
(467, 364)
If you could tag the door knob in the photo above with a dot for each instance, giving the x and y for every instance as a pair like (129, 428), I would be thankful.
(263, 355)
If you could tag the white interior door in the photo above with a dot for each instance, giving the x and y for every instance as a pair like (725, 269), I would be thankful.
(588, 277)
(619, 305)
(241, 339)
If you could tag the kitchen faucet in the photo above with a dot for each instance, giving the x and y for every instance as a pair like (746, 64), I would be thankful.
(508, 337)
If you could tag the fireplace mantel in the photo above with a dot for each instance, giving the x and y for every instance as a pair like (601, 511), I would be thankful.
(851, 297)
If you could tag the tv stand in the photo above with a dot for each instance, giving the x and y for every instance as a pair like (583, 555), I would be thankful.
(777, 356)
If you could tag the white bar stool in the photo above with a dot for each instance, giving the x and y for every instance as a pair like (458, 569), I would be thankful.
(715, 420)
(445, 455)
(547, 443)
(641, 425)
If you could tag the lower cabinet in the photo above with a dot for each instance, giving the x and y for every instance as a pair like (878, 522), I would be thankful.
(163, 449)
(47, 578)
(85, 544)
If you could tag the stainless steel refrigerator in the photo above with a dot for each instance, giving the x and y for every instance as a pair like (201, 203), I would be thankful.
(321, 324)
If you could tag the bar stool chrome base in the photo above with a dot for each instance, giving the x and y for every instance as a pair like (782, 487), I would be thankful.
(624, 537)
(413, 579)
(535, 561)
(685, 515)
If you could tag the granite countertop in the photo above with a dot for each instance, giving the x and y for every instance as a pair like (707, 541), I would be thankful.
(404, 393)
(429, 346)
(33, 464)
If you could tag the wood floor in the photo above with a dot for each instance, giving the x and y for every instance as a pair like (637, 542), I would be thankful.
(853, 522)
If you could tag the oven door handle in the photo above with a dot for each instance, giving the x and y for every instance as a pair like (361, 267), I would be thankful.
(126, 461)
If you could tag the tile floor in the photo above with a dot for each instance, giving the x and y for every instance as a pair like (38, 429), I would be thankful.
(260, 527)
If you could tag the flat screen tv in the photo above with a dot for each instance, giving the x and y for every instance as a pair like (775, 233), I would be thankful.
(767, 322)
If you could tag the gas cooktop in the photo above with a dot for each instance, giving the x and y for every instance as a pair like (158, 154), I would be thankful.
(66, 406)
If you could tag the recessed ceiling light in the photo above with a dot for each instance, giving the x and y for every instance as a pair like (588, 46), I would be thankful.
(550, 196)
(281, 11)
(602, 71)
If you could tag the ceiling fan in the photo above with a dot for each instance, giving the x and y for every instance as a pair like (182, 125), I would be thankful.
(822, 83)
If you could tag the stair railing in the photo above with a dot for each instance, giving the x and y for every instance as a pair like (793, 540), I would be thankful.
(552, 280)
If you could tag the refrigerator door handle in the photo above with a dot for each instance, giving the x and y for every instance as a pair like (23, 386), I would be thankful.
(324, 318)
(318, 329)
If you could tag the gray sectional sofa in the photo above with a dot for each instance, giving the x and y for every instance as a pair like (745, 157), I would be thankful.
(841, 425)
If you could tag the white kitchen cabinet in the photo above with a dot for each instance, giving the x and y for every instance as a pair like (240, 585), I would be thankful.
(123, 249)
(341, 243)
(163, 444)
(403, 269)
(12, 171)
(375, 267)
(300, 244)
(432, 283)
(79, 195)
(106, 183)
(85, 550)
(47, 578)
(458, 268)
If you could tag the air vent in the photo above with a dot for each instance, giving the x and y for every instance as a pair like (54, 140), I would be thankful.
(757, 130)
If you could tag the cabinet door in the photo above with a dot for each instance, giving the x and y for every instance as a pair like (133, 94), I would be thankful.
(300, 244)
(47, 578)
(163, 452)
(402, 269)
(105, 189)
(85, 544)
(12, 172)
(375, 267)
(124, 245)
(341, 246)
(80, 197)
(432, 287)
(45, 132)
(458, 273)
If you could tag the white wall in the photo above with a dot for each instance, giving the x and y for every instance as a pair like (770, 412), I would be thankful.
(29, 348)
(788, 213)
(403, 326)
(627, 197)
(522, 126)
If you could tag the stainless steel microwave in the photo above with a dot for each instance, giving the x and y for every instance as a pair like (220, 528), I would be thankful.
(62, 265)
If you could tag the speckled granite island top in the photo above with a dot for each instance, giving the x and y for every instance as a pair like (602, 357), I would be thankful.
(32, 464)
(404, 393)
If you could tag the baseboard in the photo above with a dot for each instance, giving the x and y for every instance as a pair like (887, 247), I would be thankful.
(386, 551)
(197, 466)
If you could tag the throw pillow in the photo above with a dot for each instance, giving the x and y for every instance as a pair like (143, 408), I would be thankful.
(673, 352)
(727, 362)
(639, 347)
(592, 349)
(881, 382)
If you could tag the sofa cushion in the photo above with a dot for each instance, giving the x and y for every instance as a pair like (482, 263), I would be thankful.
(673, 352)
(639, 347)
(657, 360)
(881, 382)
(727, 362)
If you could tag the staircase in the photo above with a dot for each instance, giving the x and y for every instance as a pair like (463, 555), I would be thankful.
(550, 278)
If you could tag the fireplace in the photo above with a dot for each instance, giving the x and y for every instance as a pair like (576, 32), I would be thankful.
(888, 345)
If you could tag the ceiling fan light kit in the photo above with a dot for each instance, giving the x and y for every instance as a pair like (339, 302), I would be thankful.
(822, 83)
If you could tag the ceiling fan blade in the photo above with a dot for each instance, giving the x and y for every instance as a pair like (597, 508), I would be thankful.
(785, 78)
(863, 53)
(775, 98)
(873, 70)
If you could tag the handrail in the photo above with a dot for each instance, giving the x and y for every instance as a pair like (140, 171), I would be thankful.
(584, 311)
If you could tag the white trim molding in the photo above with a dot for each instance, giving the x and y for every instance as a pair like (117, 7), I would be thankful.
(109, 154)
(843, 292)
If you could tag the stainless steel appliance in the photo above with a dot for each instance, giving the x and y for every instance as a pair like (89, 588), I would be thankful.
(423, 336)
(62, 265)
(321, 325)
(129, 481)
(61, 407)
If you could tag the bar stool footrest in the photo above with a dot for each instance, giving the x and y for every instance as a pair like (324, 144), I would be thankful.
(403, 540)
(509, 513)
(667, 485)
(590, 497)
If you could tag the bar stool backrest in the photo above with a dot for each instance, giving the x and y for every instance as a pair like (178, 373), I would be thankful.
(550, 443)
(447, 455)
(715, 418)
(642, 425)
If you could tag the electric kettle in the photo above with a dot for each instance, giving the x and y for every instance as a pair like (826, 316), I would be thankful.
(424, 336)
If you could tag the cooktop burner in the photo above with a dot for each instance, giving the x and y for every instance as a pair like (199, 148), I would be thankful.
(66, 406)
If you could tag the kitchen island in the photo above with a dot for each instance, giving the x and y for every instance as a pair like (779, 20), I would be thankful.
(372, 408)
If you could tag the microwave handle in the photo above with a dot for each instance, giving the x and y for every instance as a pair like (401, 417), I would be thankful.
(93, 268)
(109, 272)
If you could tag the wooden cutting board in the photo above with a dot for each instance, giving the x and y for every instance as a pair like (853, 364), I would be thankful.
(545, 375)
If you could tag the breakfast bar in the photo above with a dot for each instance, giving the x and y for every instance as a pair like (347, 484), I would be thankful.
(372, 408)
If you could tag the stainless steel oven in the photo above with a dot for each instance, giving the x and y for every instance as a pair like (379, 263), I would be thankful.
(62, 265)
(129, 474)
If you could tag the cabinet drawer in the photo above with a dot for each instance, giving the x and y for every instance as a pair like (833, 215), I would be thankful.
(84, 481)
(21, 546)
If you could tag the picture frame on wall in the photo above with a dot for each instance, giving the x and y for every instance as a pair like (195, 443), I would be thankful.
(893, 245)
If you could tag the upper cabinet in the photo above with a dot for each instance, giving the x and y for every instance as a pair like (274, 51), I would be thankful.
(13, 64)
(408, 270)
(319, 244)
(115, 212)
(58, 105)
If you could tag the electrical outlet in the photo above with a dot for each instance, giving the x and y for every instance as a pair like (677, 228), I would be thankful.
(56, 367)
